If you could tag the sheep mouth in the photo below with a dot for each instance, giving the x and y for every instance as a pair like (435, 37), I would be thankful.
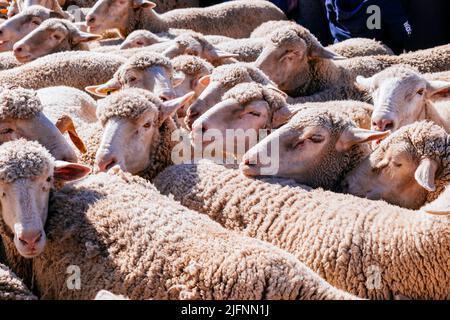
(4, 44)
(249, 169)
(24, 58)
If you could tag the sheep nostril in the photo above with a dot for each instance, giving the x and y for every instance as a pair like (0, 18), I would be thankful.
(90, 19)
(18, 49)
(388, 125)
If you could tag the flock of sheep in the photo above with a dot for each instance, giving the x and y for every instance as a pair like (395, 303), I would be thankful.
(93, 198)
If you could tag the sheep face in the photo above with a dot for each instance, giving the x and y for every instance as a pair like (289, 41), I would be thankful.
(30, 123)
(400, 96)
(128, 140)
(14, 29)
(310, 147)
(287, 57)
(399, 171)
(210, 96)
(53, 35)
(27, 175)
(156, 79)
(113, 14)
(139, 39)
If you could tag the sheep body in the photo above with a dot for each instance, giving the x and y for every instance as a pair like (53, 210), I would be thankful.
(235, 19)
(76, 69)
(96, 225)
(8, 61)
(11, 287)
(368, 248)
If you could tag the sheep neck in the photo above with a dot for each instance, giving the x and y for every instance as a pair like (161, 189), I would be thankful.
(145, 19)
(430, 112)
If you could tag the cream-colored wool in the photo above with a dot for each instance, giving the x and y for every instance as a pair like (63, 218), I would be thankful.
(19, 104)
(235, 19)
(8, 61)
(11, 287)
(248, 50)
(369, 248)
(22, 159)
(127, 104)
(233, 74)
(127, 238)
(77, 69)
(360, 47)
(247, 92)
(192, 65)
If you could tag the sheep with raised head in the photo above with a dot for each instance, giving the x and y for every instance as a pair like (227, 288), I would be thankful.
(369, 248)
(236, 19)
(52, 35)
(101, 224)
(304, 69)
(401, 95)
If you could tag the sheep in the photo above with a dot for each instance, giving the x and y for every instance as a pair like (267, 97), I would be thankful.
(149, 119)
(55, 5)
(407, 169)
(22, 116)
(90, 229)
(401, 96)
(235, 19)
(221, 80)
(76, 69)
(305, 70)
(8, 61)
(369, 248)
(146, 70)
(196, 44)
(17, 27)
(192, 69)
(141, 38)
(41, 41)
(350, 48)
(11, 287)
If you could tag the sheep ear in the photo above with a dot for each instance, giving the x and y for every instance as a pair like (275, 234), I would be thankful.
(282, 115)
(318, 51)
(67, 171)
(438, 207)
(65, 124)
(80, 36)
(425, 174)
(274, 88)
(143, 4)
(366, 83)
(105, 89)
(177, 79)
(171, 106)
(205, 80)
(353, 135)
(436, 88)
(216, 53)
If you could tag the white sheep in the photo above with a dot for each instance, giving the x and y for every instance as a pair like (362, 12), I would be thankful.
(401, 96)
(236, 19)
(370, 248)
(125, 237)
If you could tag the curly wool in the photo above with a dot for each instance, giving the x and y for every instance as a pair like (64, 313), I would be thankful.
(143, 61)
(11, 287)
(247, 92)
(19, 104)
(192, 65)
(349, 241)
(233, 74)
(22, 159)
(426, 140)
(130, 104)
(129, 239)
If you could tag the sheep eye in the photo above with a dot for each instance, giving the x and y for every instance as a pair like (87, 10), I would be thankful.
(35, 22)
(131, 79)
(147, 125)
(254, 113)
(397, 165)
(108, 92)
(139, 43)
(317, 138)
(3, 194)
(49, 179)
(6, 131)
(420, 92)
(299, 143)
(57, 37)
